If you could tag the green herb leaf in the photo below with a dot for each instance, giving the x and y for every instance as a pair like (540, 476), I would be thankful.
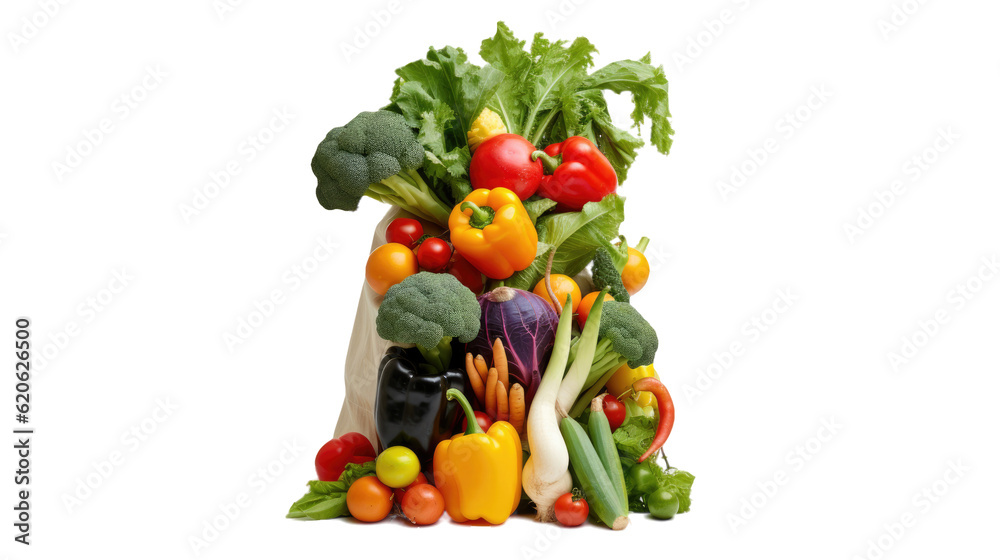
(577, 235)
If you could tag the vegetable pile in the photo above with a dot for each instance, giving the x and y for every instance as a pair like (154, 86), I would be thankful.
(514, 382)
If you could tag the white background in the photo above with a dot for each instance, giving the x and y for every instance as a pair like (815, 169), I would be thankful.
(718, 263)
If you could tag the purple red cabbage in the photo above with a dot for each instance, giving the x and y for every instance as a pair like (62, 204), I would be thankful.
(526, 325)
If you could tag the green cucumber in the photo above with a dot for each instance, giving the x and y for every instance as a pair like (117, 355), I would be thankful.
(604, 445)
(601, 495)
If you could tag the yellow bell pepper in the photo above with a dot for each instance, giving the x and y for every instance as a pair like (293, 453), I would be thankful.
(493, 231)
(620, 384)
(479, 473)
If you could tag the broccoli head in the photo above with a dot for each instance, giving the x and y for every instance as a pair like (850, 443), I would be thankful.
(375, 155)
(628, 333)
(624, 337)
(609, 261)
(428, 310)
(605, 275)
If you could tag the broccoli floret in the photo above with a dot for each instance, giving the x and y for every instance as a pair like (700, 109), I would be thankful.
(625, 332)
(376, 154)
(609, 261)
(428, 310)
(624, 337)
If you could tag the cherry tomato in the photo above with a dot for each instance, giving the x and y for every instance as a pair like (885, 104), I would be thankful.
(397, 493)
(571, 512)
(397, 466)
(481, 418)
(369, 500)
(642, 478)
(663, 504)
(614, 410)
(505, 161)
(562, 285)
(405, 231)
(434, 254)
(389, 265)
(467, 274)
(636, 272)
(585, 304)
(423, 504)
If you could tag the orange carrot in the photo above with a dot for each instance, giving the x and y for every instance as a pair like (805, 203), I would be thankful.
(474, 379)
(503, 412)
(517, 407)
(481, 367)
(500, 362)
(491, 394)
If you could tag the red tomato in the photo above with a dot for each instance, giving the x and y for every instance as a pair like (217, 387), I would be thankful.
(405, 231)
(571, 512)
(398, 492)
(481, 418)
(614, 410)
(467, 274)
(434, 254)
(505, 161)
(423, 504)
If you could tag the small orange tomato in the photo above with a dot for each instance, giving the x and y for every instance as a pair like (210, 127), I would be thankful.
(562, 285)
(636, 271)
(586, 303)
(389, 265)
(368, 499)
(423, 504)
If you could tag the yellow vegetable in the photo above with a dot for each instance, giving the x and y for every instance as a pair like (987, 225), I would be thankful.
(479, 474)
(487, 125)
(620, 384)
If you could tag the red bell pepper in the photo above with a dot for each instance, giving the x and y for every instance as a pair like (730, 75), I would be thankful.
(335, 454)
(576, 173)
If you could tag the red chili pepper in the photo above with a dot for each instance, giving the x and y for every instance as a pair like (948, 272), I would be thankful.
(665, 405)
(335, 454)
(577, 173)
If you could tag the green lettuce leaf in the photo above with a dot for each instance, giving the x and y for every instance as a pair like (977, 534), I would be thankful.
(635, 435)
(440, 96)
(536, 206)
(547, 95)
(576, 237)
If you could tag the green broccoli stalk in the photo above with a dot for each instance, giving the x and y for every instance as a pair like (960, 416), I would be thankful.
(625, 337)
(429, 310)
(375, 155)
(609, 261)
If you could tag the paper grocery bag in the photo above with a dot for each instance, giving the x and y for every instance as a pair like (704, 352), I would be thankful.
(365, 352)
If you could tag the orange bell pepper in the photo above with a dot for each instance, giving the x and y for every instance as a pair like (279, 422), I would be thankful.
(492, 230)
